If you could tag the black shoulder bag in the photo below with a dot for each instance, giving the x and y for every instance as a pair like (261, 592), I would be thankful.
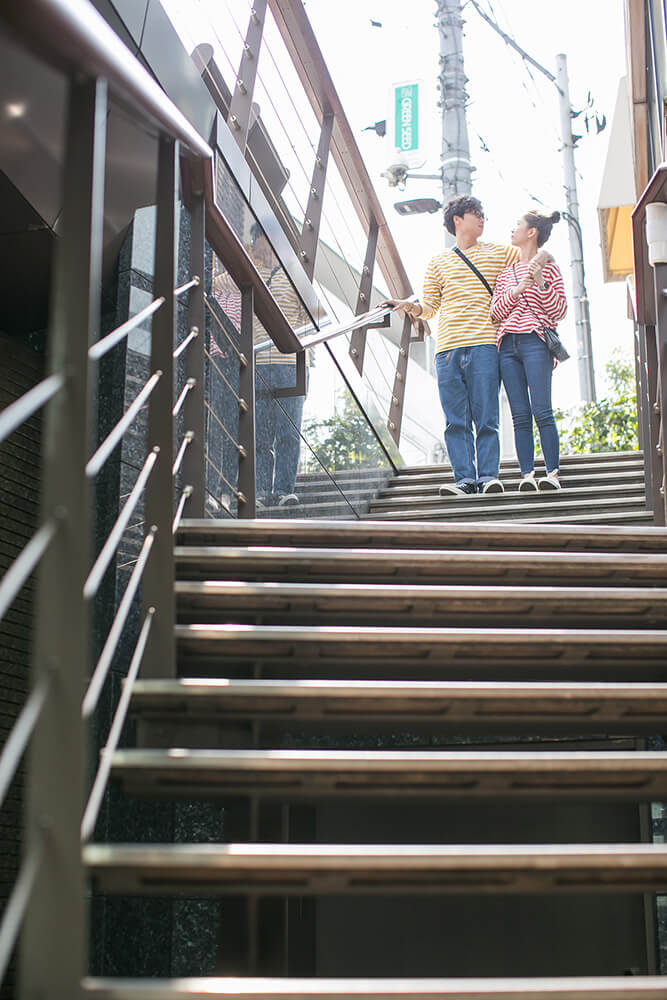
(554, 344)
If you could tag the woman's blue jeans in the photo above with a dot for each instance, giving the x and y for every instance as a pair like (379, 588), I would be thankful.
(526, 366)
(468, 383)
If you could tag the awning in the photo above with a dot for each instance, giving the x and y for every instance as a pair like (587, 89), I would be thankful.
(618, 194)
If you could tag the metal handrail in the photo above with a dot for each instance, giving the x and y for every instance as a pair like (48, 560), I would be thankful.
(188, 387)
(24, 564)
(115, 436)
(194, 333)
(23, 408)
(20, 735)
(73, 37)
(106, 656)
(15, 910)
(113, 539)
(99, 784)
(239, 447)
(239, 399)
(185, 495)
(192, 283)
(178, 461)
(324, 335)
(99, 349)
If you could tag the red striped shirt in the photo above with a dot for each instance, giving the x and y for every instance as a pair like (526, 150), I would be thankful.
(534, 308)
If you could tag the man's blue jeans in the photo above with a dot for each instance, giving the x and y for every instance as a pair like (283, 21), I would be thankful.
(526, 366)
(277, 426)
(468, 382)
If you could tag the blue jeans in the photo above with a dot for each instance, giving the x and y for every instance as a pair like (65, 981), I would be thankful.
(526, 367)
(277, 426)
(468, 383)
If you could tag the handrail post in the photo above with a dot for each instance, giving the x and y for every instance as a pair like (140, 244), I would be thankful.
(241, 104)
(193, 408)
(54, 941)
(310, 234)
(158, 586)
(660, 284)
(358, 338)
(643, 410)
(655, 418)
(246, 480)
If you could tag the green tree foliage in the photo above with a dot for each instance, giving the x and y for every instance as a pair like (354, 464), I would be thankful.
(344, 441)
(610, 424)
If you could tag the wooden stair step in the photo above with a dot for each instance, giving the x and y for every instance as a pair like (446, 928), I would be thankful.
(638, 706)
(588, 460)
(601, 494)
(396, 488)
(638, 776)
(217, 600)
(420, 566)
(566, 988)
(510, 471)
(445, 648)
(425, 535)
(510, 507)
(326, 869)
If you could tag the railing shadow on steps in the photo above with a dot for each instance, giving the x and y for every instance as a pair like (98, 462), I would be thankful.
(65, 692)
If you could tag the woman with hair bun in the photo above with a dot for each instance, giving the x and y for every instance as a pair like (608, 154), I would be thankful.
(529, 295)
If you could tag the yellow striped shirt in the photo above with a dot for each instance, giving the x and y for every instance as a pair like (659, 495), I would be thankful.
(464, 303)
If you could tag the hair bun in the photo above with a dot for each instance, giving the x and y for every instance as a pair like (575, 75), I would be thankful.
(554, 217)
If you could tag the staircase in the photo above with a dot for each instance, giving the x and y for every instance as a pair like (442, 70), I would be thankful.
(432, 730)
(597, 489)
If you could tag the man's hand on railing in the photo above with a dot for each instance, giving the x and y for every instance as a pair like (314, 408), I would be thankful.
(412, 309)
(409, 306)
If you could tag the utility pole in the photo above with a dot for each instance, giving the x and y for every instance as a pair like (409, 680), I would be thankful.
(456, 166)
(582, 313)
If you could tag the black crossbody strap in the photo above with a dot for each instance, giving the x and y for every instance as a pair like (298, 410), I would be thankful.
(474, 270)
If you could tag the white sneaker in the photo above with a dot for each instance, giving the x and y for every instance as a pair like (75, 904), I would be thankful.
(550, 482)
(288, 500)
(493, 486)
(528, 483)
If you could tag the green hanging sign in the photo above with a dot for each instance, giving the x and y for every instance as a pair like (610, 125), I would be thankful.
(406, 117)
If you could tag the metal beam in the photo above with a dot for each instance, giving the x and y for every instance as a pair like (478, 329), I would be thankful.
(241, 105)
(194, 463)
(660, 284)
(158, 587)
(52, 948)
(303, 48)
(395, 418)
(246, 481)
(358, 338)
(311, 226)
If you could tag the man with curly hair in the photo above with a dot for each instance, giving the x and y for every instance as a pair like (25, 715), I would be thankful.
(466, 352)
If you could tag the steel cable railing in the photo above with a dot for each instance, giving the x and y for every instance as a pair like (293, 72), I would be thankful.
(77, 40)
(170, 482)
(387, 400)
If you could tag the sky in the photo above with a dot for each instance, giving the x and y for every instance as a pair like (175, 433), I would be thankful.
(513, 124)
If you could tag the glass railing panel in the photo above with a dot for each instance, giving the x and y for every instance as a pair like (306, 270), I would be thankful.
(316, 457)
(222, 27)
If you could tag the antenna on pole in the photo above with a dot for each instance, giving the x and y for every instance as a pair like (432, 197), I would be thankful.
(456, 166)
(583, 320)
